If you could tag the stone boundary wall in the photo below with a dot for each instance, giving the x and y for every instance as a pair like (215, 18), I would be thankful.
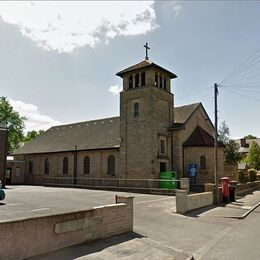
(185, 202)
(241, 188)
(247, 187)
(34, 236)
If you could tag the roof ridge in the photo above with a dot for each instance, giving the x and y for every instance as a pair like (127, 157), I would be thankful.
(84, 122)
(197, 103)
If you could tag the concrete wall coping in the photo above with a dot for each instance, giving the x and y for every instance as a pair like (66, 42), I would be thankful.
(181, 191)
(54, 214)
(109, 206)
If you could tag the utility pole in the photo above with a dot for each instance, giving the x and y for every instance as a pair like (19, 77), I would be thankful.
(216, 143)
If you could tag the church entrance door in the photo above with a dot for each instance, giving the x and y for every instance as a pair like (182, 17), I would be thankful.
(162, 167)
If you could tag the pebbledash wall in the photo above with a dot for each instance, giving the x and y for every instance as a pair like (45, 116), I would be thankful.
(34, 236)
(98, 165)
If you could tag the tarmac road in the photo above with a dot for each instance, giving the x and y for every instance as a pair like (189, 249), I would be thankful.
(240, 242)
(159, 233)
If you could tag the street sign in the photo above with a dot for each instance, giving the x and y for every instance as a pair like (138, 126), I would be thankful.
(193, 170)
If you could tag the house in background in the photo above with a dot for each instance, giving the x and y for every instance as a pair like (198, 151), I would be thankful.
(245, 144)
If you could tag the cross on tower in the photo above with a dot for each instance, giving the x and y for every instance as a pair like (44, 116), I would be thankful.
(146, 51)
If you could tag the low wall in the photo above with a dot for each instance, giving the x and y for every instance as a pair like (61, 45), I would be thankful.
(29, 237)
(185, 202)
(247, 187)
(241, 188)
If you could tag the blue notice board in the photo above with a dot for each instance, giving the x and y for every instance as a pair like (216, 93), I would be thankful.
(193, 170)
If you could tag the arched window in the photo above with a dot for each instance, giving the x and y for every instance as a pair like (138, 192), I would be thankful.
(137, 80)
(136, 109)
(65, 165)
(156, 79)
(130, 81)
(111, 163)
(143, 78)
(46, 166)
(203, 165)
(30, 166)
(160, 81)
(86, 165)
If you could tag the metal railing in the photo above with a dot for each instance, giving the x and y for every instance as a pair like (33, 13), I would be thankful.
(115, 182)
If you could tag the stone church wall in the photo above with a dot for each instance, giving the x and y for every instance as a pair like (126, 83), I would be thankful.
(98, 165)
(192, 155)
(180, 136)
(140, 135)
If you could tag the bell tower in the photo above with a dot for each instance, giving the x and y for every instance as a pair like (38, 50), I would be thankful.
(146, 112)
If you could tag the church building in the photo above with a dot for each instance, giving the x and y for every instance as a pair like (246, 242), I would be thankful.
(150, 136)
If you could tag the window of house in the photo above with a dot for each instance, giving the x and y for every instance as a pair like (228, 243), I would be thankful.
(111, 163)
(65, 165)
(136, 109)
(30, 166)
(143, 78)
(46, 166)
(137, 80)
(164, 83)
(162, 146)
(203, 165)
(86, 165)
(130, 81)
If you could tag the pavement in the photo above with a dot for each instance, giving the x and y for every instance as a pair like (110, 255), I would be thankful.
(159, 233)
(239, 209)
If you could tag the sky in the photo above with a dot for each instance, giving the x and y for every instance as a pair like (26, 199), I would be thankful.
(58, 60)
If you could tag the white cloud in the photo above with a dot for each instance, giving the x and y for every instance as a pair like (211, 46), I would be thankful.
(65, 26)
(35, 120)
(115, 89)
(177, 8)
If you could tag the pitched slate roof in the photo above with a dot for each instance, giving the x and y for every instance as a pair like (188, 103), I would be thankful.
(144, 64)
(183, 113)
(89, 135)
(200, 137)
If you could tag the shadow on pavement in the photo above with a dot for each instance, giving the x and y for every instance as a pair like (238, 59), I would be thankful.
(196, 213)
(85, 249)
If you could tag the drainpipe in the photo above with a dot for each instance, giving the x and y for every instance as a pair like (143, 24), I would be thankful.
(171, 149)
(75, 165)
(183, 162)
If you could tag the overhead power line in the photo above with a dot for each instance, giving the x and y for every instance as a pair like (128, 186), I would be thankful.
(241, 94)
(251, 61)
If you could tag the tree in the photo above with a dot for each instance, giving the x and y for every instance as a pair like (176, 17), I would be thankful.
(253, 156)
(250, 137)
(231, 151)
(224, 133)
(32, 135)
(14, 122)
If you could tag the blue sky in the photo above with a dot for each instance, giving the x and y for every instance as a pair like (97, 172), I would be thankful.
(58, 60)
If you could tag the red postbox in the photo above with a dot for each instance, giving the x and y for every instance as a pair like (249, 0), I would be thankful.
(225, 188)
